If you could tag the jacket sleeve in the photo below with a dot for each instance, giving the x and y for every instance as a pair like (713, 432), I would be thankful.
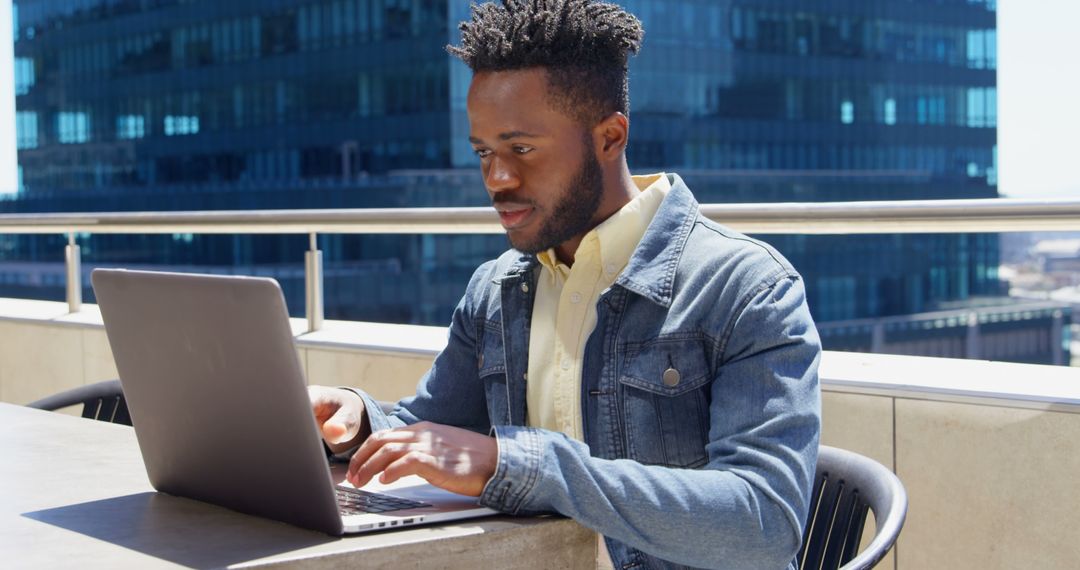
(745, 508)
(449, 393)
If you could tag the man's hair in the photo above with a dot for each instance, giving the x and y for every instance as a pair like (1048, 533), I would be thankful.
(583, 45)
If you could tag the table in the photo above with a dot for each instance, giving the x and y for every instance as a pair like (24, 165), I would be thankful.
(74, 493)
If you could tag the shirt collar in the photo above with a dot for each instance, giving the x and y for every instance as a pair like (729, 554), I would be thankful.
(618, 236)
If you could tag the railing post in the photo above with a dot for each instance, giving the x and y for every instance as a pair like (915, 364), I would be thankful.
(973, 341)
(1057, 339)
(877, 338)
(73, 263)
(313, 285)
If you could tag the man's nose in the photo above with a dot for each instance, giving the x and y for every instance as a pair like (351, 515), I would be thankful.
(500, 176)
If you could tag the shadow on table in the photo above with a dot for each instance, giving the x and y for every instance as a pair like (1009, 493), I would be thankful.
(181, 531)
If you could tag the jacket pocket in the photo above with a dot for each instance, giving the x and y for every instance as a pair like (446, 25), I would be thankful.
(665, 402)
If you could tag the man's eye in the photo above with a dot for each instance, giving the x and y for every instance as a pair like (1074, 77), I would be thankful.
(482, 152)
(522, 149)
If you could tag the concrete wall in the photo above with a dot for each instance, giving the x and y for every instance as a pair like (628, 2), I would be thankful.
(988, 452)
(44, 350)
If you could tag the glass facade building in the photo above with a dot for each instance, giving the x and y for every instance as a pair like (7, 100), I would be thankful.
(766, 101)
(261, 104)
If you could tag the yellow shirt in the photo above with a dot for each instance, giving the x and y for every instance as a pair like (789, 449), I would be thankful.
(564, 311)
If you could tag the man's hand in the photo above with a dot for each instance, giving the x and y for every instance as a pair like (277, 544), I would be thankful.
(454, 459)
(340, 417)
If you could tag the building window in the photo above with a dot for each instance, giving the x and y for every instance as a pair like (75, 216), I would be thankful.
(24, 75)
(890, 111)
(181, 125)
(26, 130)
(130, 127)
(847, 112)
(982, 107)
(982, 49)
(73, 127)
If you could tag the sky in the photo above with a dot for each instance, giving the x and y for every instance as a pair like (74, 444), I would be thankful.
(1038, 99)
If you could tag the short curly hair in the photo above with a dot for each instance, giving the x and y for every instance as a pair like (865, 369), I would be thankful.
(583, 45)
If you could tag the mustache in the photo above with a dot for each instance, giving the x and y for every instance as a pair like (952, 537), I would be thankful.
(504, 200)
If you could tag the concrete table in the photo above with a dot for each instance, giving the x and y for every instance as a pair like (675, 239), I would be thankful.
(73, 493)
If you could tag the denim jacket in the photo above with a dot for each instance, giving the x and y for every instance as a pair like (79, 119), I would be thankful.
(699, 396)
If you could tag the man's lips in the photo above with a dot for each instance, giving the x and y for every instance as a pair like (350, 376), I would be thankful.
(513, 216)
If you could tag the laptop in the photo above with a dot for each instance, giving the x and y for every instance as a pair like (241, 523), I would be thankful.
(220, 407)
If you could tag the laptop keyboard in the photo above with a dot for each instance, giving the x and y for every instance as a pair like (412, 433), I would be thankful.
(354, 502)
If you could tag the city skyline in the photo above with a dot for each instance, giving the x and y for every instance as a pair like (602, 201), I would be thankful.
(174, 106)
(178, 105)
(1037, 119)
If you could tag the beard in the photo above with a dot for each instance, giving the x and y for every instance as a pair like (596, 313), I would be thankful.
(573, 214)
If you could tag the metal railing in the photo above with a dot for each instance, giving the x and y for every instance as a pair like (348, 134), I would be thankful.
(922, 216)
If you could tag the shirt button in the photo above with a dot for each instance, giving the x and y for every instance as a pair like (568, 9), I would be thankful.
(566, 364)
(611, 269)
(672, 377)
(575, 298)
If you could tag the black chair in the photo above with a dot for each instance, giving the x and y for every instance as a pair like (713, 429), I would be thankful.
(846, 486)
(105, 401)
(100, 401)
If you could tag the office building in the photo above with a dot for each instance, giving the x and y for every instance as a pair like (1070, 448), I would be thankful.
(254, 104)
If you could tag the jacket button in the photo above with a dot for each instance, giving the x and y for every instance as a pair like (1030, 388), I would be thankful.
(671, 377)
(524, 287)
(480, 364)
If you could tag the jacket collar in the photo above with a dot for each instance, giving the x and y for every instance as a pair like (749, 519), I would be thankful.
(651, 269)
(524, 263)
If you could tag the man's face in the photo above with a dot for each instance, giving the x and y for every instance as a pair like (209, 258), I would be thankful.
(539, 165)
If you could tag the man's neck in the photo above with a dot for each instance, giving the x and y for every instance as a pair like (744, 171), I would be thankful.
(619, 193)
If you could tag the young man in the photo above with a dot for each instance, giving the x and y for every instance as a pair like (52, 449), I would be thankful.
(628, 364)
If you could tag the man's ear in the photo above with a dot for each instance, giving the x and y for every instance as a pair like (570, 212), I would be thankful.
(611, 136)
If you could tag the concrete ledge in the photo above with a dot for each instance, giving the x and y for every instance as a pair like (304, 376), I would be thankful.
(938, 379)
(984, 382)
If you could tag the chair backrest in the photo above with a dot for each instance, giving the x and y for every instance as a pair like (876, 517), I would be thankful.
(100, 401)
(846, 485)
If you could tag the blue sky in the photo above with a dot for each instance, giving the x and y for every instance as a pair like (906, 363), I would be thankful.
(1038, 98)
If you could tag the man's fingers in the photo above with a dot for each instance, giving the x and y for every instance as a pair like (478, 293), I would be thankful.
(365, 454)
(412, 463)
(340, 416)
(452, 458)
(361, 471)
(376, 441)
(335, 432)
(342, 426)
(322, 406)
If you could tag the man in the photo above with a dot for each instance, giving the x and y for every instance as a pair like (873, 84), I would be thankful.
(629, 364)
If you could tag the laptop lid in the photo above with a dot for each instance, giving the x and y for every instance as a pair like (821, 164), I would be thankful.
(217, 394)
